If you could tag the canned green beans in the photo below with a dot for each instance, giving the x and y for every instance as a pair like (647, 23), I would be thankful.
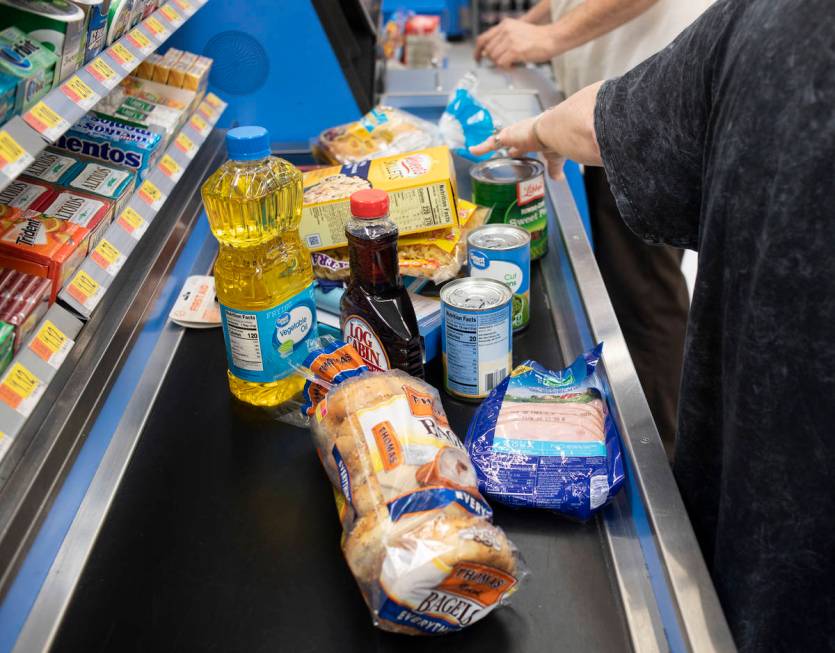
(503, 252)
(515, 189)
(476, 336)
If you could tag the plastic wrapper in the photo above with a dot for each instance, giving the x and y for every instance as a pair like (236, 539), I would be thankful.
(545, 439)
(383, 131)
(433, 255)
(469, 119)
(418, 534)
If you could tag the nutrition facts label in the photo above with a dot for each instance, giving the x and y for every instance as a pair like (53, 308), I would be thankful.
(477, 349)
(244, 343)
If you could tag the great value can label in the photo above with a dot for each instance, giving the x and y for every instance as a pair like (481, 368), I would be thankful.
(263, 346)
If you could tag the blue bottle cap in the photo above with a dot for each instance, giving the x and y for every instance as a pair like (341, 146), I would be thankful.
(248, 143)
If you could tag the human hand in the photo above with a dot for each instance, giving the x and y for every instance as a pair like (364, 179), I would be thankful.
(519, 139)
(516, 41)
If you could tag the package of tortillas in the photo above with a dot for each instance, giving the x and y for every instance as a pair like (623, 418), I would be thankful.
(418, 534)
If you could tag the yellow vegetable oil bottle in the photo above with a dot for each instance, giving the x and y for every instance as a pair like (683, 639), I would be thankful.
(263, 274)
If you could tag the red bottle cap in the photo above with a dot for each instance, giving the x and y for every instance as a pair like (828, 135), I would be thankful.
(369, 203)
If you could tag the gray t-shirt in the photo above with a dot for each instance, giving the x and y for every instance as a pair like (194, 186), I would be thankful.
(724, 142)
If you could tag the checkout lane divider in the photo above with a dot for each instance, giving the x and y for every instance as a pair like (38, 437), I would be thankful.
(31, 612)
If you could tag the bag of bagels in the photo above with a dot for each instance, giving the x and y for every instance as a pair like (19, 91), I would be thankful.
(417, 535)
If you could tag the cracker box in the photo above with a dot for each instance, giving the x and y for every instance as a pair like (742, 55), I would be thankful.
(93, 213)
(43, 246)
(420, 184)
(24, 300)
(27, 194)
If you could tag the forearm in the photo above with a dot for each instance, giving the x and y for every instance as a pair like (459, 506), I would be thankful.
(568, 128)
(592, 19)
(539, 14)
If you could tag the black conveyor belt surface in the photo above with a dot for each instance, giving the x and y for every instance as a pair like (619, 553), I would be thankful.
(224, 537)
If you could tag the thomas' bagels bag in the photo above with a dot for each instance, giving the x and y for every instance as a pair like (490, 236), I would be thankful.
(418, 535)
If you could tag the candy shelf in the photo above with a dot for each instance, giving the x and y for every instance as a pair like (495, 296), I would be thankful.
(23, 137)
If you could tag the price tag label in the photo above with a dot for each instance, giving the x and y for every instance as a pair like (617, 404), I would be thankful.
(79, 93)
(132, 222)
(141, 42)
(151, 195)
(157, 28)
(13, 158)
(20, 389)
(123, 56)
(185, 5)
(102, 73)
(214, 100)
(199, 125)
(206, 110)
(171, 14)
(46, 121)
(185, 145)
(108, 257)
(85, 290)
(5, 443)
(51, 344)
(170, 168)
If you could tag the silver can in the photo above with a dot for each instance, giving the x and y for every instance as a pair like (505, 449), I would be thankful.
(476, 336)
(503, 252)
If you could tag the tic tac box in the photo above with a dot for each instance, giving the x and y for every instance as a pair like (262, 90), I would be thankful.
(30, 62)
(93, 213)
(27, 194)
(43, 246)
(51, 165)
(420, 185)
(111, 141)
(112, 183)
(24, 300)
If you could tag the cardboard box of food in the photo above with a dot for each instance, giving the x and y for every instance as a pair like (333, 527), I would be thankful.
(94, 213)
(27, 194)
(421, 188)
(33, 243)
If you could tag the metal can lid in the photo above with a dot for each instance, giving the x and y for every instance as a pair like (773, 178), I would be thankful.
(475, 294)
(499, 237)
(507, 171)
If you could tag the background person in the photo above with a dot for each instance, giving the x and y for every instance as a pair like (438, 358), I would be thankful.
(590, 40)
(725, 143)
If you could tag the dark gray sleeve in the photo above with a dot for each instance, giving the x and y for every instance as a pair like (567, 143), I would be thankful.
(652, 125)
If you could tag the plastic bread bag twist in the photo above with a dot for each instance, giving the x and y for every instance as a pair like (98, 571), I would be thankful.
(418, 535)
(545, 439)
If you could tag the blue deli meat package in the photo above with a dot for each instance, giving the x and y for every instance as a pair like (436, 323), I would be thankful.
(417, 534)
(545, 439)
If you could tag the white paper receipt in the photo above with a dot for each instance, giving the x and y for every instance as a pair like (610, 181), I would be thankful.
(197, 307)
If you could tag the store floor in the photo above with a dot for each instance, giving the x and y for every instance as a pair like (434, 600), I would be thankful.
(224, 537)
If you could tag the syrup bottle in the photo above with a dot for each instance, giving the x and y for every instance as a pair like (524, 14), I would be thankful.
(377, 316)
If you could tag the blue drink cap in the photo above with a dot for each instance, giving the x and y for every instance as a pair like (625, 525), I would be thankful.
(248, 143)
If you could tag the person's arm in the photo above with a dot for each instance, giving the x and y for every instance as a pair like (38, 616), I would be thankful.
(564, 131)
(519, 41)
(538, 14)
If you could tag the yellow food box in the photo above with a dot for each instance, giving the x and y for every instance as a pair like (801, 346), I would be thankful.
(420, 184)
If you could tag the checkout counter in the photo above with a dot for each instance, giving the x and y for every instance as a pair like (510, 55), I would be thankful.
(152, 513)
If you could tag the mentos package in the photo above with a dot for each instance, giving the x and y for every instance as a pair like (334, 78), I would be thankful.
(40, 245)
(545, 439)
(24, 300)
(93, 213)
(26, 194)
(113, 142)
(112, 183)
(28, 61)
(50, 165)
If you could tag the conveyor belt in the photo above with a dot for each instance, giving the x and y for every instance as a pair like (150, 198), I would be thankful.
(224, 536)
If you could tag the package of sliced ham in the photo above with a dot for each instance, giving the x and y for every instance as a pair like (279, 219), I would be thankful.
(418, 535)
(545, 439)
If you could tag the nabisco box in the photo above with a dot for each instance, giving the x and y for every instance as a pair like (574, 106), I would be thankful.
(420, 185)
(33, 243)
(93, 213)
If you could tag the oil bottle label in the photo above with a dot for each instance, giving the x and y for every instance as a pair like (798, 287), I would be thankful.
(360, 334)
(261, 345)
